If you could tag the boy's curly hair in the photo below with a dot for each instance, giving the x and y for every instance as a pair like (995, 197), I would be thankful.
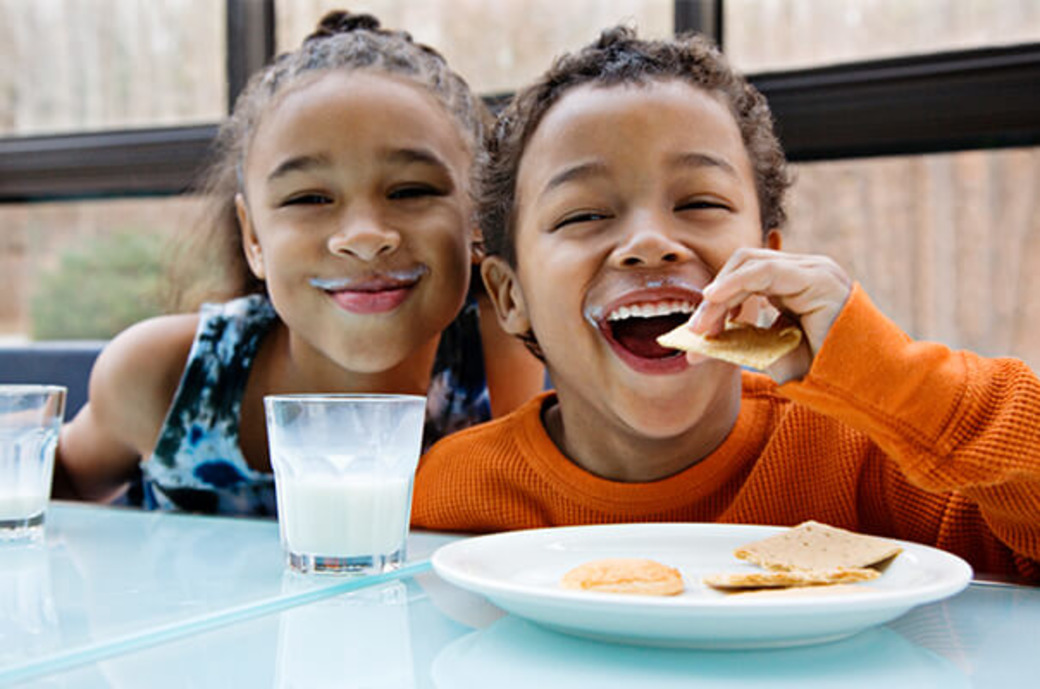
(619, 57)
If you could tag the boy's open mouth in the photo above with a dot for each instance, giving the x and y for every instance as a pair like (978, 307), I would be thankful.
(635, 328)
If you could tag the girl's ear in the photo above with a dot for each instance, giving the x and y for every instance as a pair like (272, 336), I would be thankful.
(504, 291)
(774, 240)
(476, 247)
(250, 242)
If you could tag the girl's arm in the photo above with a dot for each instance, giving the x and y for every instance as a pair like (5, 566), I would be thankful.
(131, 387)
(514, 375)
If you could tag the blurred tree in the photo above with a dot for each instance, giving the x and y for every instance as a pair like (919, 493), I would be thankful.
(99, 289)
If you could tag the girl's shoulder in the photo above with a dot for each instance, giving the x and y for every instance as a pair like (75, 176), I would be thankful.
(137, 373)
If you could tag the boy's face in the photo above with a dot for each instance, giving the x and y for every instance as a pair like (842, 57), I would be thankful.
(629, 201)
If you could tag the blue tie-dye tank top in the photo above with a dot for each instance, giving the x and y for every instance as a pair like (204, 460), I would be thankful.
(198, 466)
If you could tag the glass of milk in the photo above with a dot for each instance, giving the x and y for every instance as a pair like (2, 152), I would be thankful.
(343, 471)
(30, 418)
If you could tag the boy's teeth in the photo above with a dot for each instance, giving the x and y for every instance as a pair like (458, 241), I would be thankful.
(661, 308)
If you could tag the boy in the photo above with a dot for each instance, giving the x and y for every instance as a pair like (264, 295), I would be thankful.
(636, 183)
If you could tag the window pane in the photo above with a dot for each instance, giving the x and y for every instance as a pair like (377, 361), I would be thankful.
(766, 35)
(497, 45)
(84, 270)
(948, 246)
(70, 66)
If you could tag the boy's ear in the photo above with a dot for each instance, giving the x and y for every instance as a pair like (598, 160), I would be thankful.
(250, 242)
(774, 240)
(503, 289)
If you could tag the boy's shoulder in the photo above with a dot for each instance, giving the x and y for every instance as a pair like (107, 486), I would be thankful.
(489, 436)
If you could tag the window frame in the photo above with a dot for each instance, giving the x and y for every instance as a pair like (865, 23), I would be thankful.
(941, 102)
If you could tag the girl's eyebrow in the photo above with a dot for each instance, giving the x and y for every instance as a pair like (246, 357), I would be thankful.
(415, 155)
(298, 164)
(399, 156)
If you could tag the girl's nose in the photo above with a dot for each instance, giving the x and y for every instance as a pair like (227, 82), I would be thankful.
(365, 238)
(650, 246)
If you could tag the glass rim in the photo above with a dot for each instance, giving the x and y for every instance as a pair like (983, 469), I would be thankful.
(32, 388)
(344, 397)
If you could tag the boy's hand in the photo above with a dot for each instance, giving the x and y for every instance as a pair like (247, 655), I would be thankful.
(809, 290)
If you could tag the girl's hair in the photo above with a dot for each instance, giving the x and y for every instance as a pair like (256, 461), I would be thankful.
(212, 264)
(618, 57)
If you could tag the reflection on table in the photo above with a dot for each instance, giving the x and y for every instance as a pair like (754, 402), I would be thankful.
(419, 632)
(108, 580)
(127, 599)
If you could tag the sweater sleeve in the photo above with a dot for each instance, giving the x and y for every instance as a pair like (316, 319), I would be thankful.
(954, 422)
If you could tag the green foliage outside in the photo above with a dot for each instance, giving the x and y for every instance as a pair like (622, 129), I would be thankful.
(100, 288)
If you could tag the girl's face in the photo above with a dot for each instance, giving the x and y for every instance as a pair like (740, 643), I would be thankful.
(629, 200)
(357, 214)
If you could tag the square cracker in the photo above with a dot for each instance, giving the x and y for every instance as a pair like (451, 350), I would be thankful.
(740, 343)
(792, 578)
(815, 546)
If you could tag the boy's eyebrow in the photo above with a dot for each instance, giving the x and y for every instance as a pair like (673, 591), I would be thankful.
(298, 164)
(574, 172)
(696, 159)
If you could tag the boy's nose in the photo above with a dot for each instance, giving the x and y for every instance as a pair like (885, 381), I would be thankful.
(364, 238)
(650, 247)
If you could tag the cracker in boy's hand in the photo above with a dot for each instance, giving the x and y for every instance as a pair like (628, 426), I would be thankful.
(740, 343)
(815, 546)
(625, 575)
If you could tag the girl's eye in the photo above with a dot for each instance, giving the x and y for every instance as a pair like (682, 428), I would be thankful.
(582, 217)
(413, 191)
(309, 199)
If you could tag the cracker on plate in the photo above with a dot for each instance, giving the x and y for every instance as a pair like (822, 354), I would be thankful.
(791, 579)
(740, 343)
(625, 575)
(815, 546)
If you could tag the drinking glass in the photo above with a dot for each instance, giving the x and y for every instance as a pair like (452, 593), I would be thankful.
(343, 468)
(30, 418)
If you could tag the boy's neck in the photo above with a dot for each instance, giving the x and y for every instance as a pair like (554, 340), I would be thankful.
(622, 454)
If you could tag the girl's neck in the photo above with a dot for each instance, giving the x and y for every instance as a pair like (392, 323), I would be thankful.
(292, 366)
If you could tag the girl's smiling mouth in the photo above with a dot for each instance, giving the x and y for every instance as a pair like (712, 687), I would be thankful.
(374, 293)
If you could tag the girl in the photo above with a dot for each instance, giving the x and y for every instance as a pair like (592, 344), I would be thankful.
(637, 182)
(343, 220)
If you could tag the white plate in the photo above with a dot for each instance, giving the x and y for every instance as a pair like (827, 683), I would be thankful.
(520, 571)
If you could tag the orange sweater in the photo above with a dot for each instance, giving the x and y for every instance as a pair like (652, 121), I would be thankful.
(884, 435)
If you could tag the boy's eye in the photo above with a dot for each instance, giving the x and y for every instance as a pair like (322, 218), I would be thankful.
(580, 217)
(701, 204)
(413, 191)
(307, 199)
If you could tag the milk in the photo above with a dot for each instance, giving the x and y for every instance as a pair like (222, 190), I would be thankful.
(21, 506)
(26, 467)
(343, 516)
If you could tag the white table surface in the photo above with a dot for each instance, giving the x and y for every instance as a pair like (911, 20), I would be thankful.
(129, 599)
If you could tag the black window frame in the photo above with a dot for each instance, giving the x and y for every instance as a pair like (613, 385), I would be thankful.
(960, 100)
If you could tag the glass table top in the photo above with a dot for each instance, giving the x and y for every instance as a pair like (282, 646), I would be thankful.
(421, 632)
(109, 579)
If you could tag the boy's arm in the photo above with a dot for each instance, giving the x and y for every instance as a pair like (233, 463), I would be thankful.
(131, 387)
(952, 420)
